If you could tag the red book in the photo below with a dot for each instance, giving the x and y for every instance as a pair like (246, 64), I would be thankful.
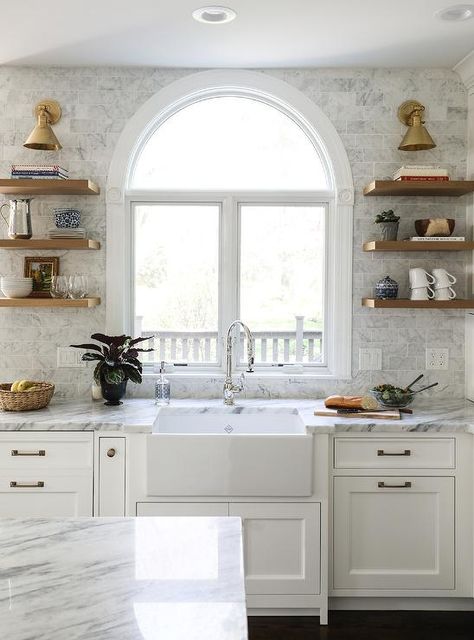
(422, 179)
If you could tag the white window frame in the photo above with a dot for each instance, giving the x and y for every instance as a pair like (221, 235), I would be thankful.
(338, 198)
(229, 247)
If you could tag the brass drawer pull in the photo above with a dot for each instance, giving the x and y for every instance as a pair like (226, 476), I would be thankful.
(405, 485)
(41, 453)
(381, 452)
(111, 453)
(26, 485)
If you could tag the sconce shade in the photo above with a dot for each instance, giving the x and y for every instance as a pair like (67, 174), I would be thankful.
(43, 137)
(417, 137)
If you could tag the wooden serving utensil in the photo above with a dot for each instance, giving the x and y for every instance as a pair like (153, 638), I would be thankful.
(414, 382)
(424, 388)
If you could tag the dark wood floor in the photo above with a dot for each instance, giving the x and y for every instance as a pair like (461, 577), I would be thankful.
(367, 625)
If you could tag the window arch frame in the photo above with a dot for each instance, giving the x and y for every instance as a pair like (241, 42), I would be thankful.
(339, 196)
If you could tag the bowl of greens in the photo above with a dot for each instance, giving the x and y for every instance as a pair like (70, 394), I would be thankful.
(389, 396)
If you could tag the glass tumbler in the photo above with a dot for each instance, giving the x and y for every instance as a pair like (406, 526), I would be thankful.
(59, 287)
(78, 286)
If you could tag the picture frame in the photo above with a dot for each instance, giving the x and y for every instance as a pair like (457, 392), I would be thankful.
(41, 269)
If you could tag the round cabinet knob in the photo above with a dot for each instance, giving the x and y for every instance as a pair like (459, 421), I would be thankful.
(111, 453)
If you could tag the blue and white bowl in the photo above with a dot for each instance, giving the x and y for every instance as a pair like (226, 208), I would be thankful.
(67, 218)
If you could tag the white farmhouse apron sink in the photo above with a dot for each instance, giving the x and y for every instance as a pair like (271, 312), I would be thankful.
(252, 453)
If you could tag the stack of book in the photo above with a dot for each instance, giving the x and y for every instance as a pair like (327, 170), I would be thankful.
(39, 171)
(420, 172)
(70, 234)
(438, 239)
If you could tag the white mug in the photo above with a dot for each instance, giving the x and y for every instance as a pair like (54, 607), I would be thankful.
(445, 293)
(443, 279)
(422, 293)
(420, 278)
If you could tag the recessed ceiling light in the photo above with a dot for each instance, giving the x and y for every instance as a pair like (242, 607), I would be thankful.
(456, 13)
(214, 15)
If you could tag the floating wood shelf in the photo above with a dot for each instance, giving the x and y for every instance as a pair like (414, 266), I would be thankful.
(49, 302)
(429, 188)
(404, 303)
(47, 187)
(413, 245)
(47, 243)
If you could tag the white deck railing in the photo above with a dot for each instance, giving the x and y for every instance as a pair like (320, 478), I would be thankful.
(270, 346)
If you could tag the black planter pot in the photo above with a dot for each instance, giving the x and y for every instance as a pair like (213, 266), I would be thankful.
(113, 393)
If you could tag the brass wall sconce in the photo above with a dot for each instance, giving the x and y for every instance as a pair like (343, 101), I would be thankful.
(417, 137)
(42, 137)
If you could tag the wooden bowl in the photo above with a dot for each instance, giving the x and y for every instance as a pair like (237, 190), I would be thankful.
(429, 227)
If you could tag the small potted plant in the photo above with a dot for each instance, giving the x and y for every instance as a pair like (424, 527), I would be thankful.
(117, 362)
(388, 222)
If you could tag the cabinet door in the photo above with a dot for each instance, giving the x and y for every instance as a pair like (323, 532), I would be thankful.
(186, 509)
(111, 476)
(33, 495)
(393, 533)
(281, 547)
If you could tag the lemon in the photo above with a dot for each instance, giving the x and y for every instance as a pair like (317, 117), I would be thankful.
(24, 385)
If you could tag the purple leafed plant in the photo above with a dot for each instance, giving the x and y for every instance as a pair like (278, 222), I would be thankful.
(117, 358)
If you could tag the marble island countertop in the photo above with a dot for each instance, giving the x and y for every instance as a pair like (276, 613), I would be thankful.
(139, 416)
(122, 578)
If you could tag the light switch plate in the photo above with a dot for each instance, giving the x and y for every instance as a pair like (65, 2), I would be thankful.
(69, 357)
(370, 359)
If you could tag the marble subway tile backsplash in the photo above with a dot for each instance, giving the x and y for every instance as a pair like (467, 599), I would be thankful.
(97, 102)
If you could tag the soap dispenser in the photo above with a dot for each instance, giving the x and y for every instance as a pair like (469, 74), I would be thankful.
(162, 387)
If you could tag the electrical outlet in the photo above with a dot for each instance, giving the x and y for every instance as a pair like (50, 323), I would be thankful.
(68, 357)
(370, 359)
(437, 359)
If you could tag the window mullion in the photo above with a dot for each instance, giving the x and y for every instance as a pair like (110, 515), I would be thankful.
(228, 271)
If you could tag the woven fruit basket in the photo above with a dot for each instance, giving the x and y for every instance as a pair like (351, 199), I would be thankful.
(25, 400)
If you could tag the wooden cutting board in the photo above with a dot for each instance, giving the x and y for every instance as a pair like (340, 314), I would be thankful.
(378, 415)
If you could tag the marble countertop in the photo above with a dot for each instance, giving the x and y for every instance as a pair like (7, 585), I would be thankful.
(139, 415)
(127, 578)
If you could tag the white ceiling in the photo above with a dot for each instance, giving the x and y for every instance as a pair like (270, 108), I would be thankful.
(266, 33)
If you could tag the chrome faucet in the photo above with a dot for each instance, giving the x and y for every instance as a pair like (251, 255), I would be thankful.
(229, 387)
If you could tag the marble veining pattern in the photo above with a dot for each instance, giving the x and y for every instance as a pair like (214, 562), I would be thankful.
(98, 102)
(122, 579)
(139, 415)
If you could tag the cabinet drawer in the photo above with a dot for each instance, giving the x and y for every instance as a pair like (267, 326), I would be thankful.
(37, 495)
(46, 451)
(394, 453)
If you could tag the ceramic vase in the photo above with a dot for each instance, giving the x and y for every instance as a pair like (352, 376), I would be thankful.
(113, 393)
(388, 230)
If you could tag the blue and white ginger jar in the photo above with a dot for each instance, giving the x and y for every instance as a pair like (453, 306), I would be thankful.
(386, 288)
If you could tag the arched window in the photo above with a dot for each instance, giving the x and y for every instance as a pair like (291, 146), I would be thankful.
(230, 143)
(231, 203)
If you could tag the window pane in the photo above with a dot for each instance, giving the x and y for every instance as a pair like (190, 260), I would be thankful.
(282, 281)
(229, 143)
(176, 279)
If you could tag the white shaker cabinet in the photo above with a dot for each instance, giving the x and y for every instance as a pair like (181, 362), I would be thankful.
(111, 476)
(281, 547)
(394, 532)
(46, 474)
(281, 541)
